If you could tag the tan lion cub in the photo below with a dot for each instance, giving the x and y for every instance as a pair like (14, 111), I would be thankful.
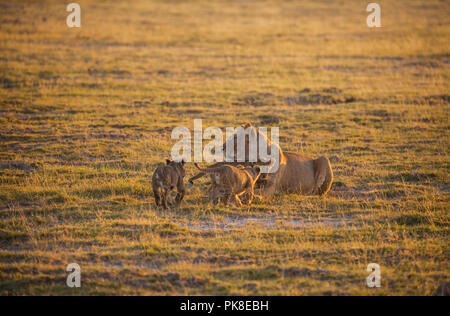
(165, 179)
(230, 183)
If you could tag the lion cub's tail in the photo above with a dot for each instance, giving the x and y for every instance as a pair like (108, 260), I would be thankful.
(323, 175)
(206, 170)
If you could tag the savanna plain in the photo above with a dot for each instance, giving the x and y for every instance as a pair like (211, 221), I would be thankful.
(86, 115)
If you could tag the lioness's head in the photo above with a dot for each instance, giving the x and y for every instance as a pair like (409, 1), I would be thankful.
(178, 166)
(250, 145)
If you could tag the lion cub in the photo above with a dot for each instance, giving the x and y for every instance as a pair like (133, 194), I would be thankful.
(165, 179)
(230, 183)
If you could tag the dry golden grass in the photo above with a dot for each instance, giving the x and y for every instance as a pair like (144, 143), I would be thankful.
(86, 114)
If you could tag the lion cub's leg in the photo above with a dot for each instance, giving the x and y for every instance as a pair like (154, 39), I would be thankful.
(227, 196)
(157, 196)
(251, 197)
(244, 197)
(211, 192)
(214, 195)
(236, 201)
(181, 192)
(165, 198)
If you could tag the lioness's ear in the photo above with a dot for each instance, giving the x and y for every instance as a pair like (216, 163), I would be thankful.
(168, 161)
(183, 162)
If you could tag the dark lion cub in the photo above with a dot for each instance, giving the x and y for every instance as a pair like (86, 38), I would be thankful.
(166, 179)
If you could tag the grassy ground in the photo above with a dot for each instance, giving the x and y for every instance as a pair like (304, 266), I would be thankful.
(86, 114)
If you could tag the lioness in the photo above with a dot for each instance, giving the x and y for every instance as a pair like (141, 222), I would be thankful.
(296, 173)
(166, 179)
(229, 183)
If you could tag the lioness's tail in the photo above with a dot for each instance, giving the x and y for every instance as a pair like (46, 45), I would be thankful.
(323, 175)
